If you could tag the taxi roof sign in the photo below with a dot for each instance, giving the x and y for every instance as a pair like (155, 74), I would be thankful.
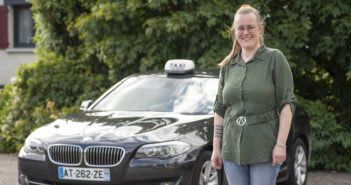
(179, 66)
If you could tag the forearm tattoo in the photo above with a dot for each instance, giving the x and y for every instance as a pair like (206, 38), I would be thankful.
(218, 131)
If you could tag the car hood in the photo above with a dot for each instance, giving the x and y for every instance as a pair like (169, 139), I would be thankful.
(123, 127)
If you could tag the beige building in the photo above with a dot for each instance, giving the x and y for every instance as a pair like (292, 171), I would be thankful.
(16, 32)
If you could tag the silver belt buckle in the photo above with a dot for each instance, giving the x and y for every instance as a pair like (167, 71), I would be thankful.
(241, 120)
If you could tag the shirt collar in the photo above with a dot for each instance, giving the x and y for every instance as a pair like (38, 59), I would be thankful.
(259, 55)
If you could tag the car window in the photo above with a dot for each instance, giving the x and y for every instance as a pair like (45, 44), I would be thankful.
(160, 93)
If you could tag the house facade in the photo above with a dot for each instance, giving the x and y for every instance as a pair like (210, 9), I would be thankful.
(16, 37)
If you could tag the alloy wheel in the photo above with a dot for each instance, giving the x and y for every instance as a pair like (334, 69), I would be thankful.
(208, 175)
(300, 165)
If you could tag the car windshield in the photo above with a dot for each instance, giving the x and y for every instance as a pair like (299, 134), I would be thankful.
(193, 95)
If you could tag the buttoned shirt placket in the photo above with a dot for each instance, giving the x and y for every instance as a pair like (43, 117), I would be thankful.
(242, 115)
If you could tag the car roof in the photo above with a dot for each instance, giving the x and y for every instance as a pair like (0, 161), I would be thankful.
(203, 73)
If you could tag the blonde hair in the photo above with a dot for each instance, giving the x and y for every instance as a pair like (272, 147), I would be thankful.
(244, 9)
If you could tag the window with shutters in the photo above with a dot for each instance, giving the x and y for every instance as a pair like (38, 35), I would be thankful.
(23, 26)
(3, 27)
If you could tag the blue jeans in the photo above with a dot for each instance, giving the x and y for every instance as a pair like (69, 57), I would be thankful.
(252, 174)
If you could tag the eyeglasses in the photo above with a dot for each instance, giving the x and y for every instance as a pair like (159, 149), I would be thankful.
(241, 29)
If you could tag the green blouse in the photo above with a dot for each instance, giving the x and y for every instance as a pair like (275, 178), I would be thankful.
(250, 97)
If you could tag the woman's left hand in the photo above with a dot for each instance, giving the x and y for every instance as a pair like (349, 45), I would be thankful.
(278, 155)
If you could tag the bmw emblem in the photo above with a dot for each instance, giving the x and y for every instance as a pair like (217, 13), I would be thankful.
(86, 139)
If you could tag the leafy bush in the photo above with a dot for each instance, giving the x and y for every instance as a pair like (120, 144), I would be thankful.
(331, 143)
(18, 119)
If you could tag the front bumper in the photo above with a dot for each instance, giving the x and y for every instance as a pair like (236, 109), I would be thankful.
(150, 171)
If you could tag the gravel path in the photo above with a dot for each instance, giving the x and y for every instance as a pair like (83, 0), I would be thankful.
(328, 178)
(8, 169)
(8, 174)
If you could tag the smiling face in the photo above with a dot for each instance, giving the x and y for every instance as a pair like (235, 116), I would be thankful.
(247, 31)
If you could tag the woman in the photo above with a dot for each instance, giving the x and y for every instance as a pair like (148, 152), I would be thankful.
(254, 106)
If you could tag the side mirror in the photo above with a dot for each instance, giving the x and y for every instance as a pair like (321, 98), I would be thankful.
(85, 105)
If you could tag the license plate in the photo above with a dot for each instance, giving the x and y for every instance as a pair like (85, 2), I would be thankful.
(86, 174)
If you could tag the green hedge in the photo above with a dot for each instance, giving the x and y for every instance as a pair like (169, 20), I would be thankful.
(331, 143)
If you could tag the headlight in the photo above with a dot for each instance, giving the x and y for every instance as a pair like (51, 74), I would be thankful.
(163, 150)
(33, 149)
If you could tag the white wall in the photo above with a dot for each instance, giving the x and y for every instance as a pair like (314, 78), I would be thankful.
(10, 60)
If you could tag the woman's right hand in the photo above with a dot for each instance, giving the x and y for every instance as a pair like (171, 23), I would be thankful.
(216, 159)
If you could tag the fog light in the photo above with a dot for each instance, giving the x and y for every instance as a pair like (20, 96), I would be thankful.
(23, 179)
(167, 183)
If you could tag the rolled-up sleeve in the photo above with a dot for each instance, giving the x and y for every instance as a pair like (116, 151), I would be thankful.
(219, 107)
(284, 84)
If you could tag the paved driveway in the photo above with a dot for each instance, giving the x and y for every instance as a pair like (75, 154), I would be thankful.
(8, 169)
(8, 174)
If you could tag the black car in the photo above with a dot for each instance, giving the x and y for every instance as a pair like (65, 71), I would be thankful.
(148, 129)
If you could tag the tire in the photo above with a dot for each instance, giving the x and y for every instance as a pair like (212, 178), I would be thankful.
(298, 165)
(205, 174)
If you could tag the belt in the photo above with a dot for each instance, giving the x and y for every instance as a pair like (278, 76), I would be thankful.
(253, 119)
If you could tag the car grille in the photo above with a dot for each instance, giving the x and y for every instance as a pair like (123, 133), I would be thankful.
(65, 154)
(103, 155)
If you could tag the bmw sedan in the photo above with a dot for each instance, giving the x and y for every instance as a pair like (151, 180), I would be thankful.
(148, 129)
